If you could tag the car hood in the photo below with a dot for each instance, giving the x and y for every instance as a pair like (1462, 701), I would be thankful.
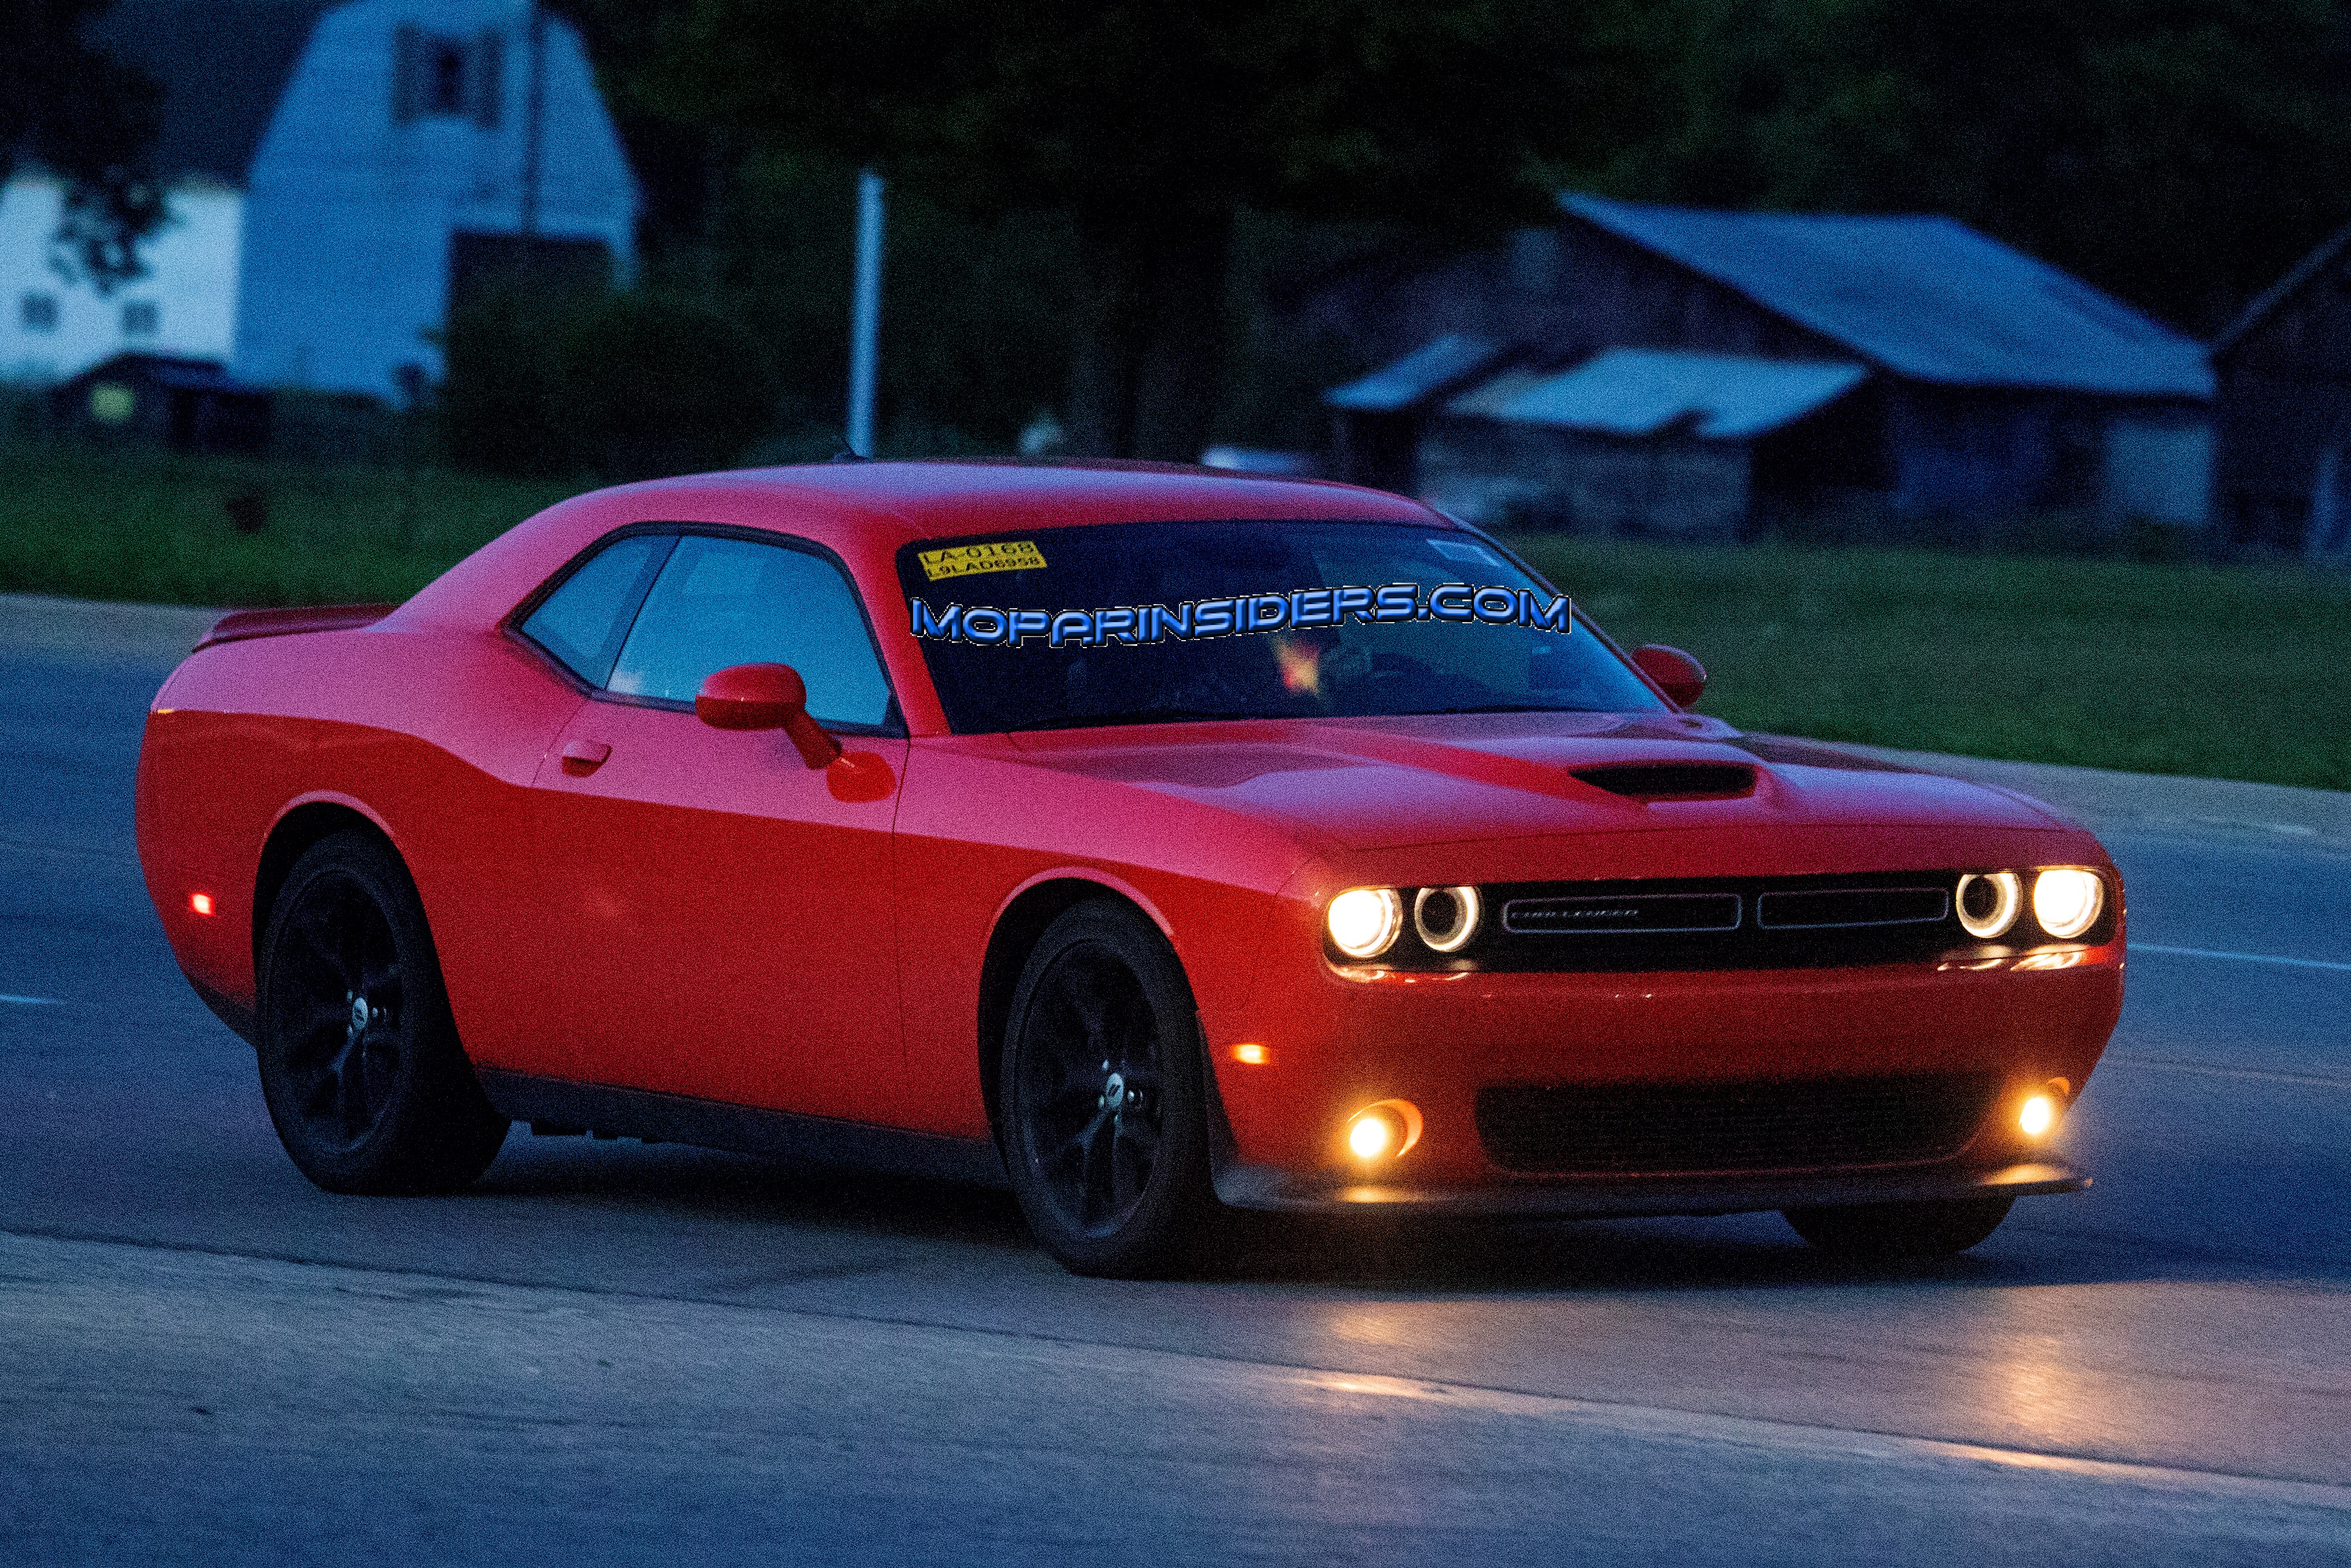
(1366, 783)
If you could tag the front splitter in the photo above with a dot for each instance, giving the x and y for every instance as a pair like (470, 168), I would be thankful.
(1627, 1197)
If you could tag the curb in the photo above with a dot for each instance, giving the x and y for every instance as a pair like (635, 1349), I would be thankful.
(2151, 802)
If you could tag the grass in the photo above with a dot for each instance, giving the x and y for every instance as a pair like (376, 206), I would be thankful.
(157, 529)
(2228, 672)
(2220, 672)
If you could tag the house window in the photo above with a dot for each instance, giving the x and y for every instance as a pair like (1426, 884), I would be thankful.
(447, 75)
(38, 313)
(142, 318)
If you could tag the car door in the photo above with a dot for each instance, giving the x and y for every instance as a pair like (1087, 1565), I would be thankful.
(720, 916)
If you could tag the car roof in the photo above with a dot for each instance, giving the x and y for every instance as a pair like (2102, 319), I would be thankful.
(908, 501)
(866, 511)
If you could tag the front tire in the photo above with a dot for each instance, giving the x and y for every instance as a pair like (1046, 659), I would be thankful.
(1101, 1099)
(360, 1062)
(1887, 1233)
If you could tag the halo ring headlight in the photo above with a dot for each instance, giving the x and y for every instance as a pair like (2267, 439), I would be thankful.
(1445, 917)
(1989, 902)
(1364, 922)
(2067, 900)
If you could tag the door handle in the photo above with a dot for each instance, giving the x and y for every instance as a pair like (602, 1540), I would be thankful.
(582, 757)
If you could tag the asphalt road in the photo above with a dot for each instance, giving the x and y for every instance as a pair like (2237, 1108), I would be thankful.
(615, 1352)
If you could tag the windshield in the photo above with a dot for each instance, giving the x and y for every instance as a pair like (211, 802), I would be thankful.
(1155, 622)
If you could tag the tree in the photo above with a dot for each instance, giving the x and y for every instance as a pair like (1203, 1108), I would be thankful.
(90, 120)
(1147, 125)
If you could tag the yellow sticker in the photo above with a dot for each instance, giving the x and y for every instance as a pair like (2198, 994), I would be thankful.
(997, 555)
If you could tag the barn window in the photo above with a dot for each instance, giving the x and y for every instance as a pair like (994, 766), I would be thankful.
(447, 75)
(142, 319)
(38, 313)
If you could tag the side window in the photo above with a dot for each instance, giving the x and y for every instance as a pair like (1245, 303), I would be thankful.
(721, 601)
(583, 621)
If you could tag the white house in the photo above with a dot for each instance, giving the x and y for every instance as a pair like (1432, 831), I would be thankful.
(58, 325)
(337, 170)
(413, 131)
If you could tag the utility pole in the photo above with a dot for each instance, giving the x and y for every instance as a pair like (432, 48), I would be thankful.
(865, 314)
(534, 116)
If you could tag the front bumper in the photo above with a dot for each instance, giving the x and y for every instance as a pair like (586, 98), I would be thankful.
(1624, 1198)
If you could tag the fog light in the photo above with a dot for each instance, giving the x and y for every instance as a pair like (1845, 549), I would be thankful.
(2039, 1115)
(1988, 903)
(1363, 921)
(1384, 1131)
(2066, 900)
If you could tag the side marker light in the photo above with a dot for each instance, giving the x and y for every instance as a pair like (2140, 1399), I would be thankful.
(1251, 1055)
(201, 902)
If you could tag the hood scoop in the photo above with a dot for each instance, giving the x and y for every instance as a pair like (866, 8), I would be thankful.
(1672, 781)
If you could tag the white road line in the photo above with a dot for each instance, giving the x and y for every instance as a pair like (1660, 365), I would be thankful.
(2215, 1070)
(1838, 1442)
(31, 1001)
(2241, 957)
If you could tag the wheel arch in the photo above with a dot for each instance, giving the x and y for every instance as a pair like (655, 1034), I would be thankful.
(1018, 926)
(291, 838)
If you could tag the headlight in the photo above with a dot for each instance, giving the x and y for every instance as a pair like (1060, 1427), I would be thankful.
(2066, 900)
(1445, 917)
(1988, 902)
(1363, 921)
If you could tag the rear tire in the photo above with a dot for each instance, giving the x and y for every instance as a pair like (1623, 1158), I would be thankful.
(360, 1062)
(1900, 1233)
(1104, 1113)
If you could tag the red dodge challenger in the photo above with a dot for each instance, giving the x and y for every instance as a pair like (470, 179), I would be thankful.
(1165, 840)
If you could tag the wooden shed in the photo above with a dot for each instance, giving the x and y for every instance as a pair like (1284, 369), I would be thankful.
(1993, 385)
(2282, 473)
(158, 401)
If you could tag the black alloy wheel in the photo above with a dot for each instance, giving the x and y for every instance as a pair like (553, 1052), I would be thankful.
(1894, 1233)
(1104, 1126)
(360, 1062)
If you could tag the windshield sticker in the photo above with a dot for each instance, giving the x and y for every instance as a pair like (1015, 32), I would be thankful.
(965, 561)
(1193, 618)
(1455, 550)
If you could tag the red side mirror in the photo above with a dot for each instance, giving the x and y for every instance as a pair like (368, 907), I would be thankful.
(1681, 676)
(764, 697)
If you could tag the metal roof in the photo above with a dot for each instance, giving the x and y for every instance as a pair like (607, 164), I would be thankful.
(1490, 397)
(1926, 297)
(1640, 392)
(1434, 367)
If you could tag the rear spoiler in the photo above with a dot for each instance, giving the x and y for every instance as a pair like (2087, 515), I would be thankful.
(239, 624)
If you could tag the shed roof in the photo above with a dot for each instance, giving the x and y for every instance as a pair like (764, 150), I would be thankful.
(1435, 367)
(1641, 391)
(2297, 278)
(174, 371)
(1924, 296)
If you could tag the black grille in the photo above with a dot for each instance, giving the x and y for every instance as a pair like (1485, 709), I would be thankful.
(1851, 907)
(1632, 912)
(1626, 1129)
